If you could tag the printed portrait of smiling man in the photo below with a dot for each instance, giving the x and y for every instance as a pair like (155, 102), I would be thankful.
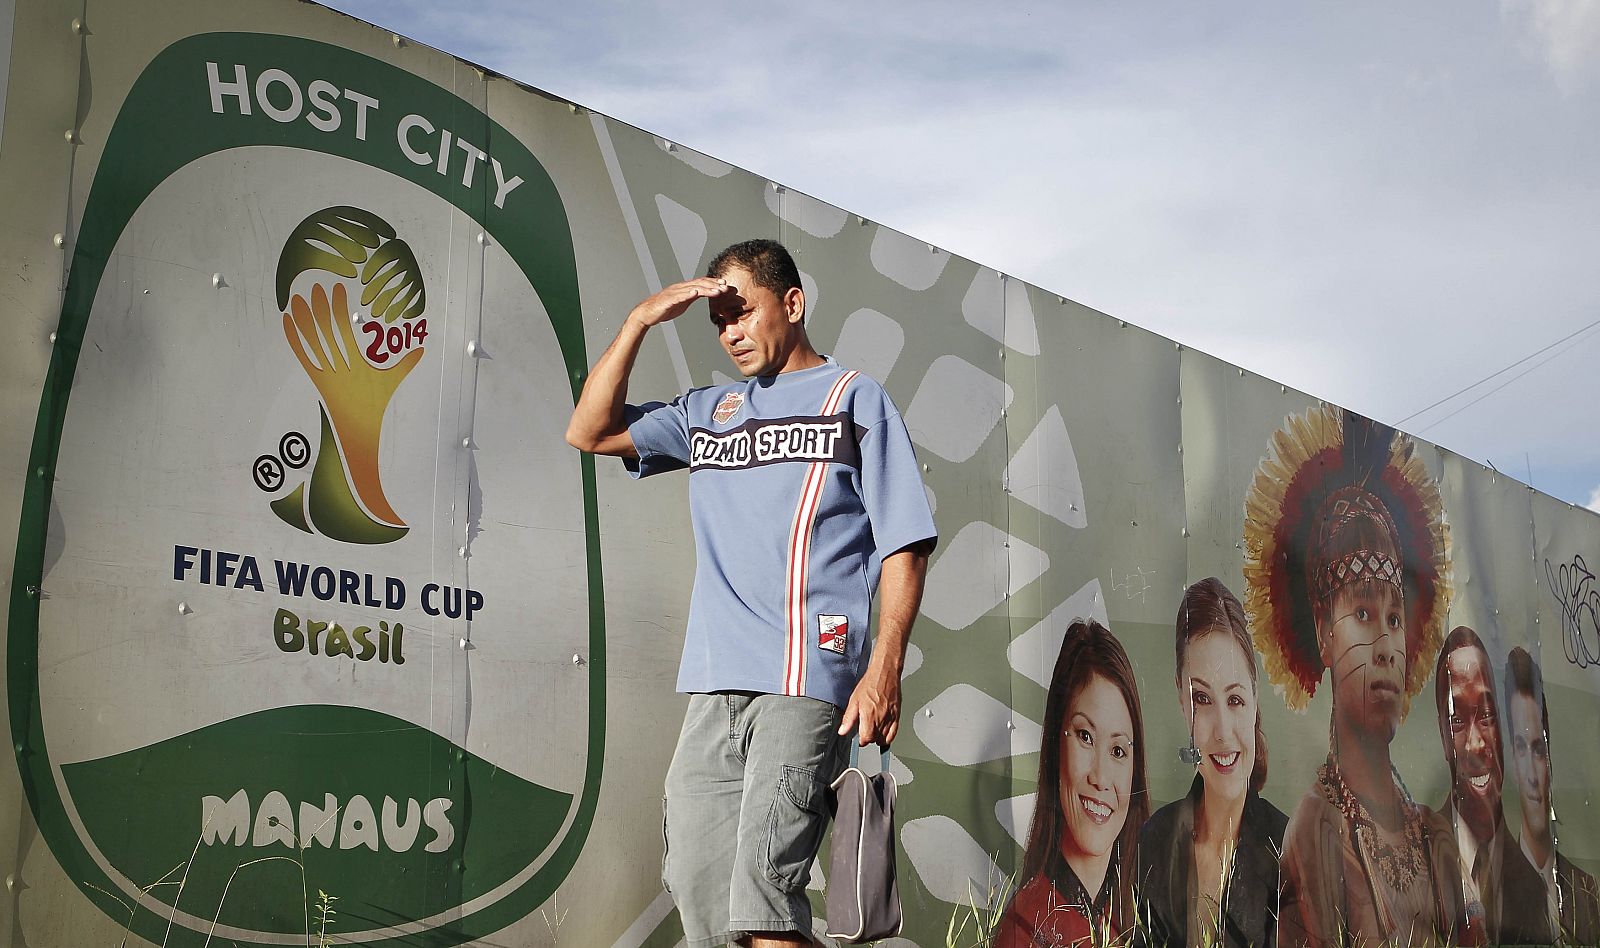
(1572, 899)
(1504, 896)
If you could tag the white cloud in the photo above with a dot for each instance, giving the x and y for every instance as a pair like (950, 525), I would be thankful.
(1594, 500)
(1563, 34)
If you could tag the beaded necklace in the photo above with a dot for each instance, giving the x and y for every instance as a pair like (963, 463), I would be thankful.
(1399, 866)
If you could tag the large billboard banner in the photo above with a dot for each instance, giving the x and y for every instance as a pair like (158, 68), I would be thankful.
(310, 606)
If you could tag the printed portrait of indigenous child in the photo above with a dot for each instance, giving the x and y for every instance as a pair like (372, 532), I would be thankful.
(1347, 566)
(1076, 884)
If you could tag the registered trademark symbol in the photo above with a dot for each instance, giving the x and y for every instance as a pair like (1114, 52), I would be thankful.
(268, 473)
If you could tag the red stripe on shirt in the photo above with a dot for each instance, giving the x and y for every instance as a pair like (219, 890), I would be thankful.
(797, 574)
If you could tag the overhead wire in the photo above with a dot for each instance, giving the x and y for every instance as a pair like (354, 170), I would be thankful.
(1539, 364)
(1456, 394)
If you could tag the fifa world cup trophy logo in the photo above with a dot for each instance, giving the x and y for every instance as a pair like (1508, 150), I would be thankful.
(356, 361)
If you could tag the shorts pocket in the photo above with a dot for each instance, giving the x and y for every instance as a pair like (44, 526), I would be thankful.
(664, 884)
(794, 828)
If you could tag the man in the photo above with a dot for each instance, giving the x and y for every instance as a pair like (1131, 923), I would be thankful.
(1572, 900)
(1504, 897)
(803, 490)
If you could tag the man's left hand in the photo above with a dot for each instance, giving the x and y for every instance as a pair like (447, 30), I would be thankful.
(874, 707)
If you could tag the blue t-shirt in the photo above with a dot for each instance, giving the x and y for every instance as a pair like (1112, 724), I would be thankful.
(799, 484)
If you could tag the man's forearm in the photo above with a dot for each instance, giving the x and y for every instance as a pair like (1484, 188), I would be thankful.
(598, 414)
(596, 424)
(900, 596)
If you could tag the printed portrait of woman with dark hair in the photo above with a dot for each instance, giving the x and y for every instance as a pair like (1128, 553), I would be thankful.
(1208, 863)
(1076, 885)
(1347, 572)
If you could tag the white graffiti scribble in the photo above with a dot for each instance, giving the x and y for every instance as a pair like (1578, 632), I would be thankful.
(1134, 584)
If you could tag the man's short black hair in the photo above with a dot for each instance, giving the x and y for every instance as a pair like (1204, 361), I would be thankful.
(1459, 638)
(767, 260)
(1523, 677)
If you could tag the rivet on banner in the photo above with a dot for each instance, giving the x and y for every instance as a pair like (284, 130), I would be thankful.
(217, 282)
(184, 610)
(52, 337)
(472, 347)
(466, 442)
(60, 240)
(78, 27)
(461, 551)
(577, 659)
(397, 40)
(72, 136)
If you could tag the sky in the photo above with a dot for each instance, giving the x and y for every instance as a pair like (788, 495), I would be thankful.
(1376, 203)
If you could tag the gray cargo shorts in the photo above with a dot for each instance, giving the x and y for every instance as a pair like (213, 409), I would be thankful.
(745, 810)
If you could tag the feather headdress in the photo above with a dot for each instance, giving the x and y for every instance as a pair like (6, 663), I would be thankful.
(1328, 468)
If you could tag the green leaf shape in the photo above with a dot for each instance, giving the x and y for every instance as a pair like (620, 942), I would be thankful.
(392, 282)
(143, 809)
(291, 508)
(334, 510)
(352, 242)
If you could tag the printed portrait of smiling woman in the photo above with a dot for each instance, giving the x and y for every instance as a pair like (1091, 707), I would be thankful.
(1076, 884)
(1208, 867)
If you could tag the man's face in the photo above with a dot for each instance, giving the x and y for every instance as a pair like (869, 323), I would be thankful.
(1471, 728)
(1531, 751)
(757, 327)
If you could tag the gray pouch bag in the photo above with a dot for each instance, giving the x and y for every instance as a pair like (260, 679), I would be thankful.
(863, 899)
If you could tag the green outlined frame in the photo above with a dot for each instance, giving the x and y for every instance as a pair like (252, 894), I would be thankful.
(165, 123)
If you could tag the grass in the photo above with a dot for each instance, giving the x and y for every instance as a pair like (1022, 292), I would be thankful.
(323, 910)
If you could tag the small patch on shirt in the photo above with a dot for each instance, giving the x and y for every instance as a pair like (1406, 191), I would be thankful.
(831, 632)
(728, 407)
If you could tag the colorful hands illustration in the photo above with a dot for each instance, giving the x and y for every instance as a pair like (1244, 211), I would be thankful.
(355, 393)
